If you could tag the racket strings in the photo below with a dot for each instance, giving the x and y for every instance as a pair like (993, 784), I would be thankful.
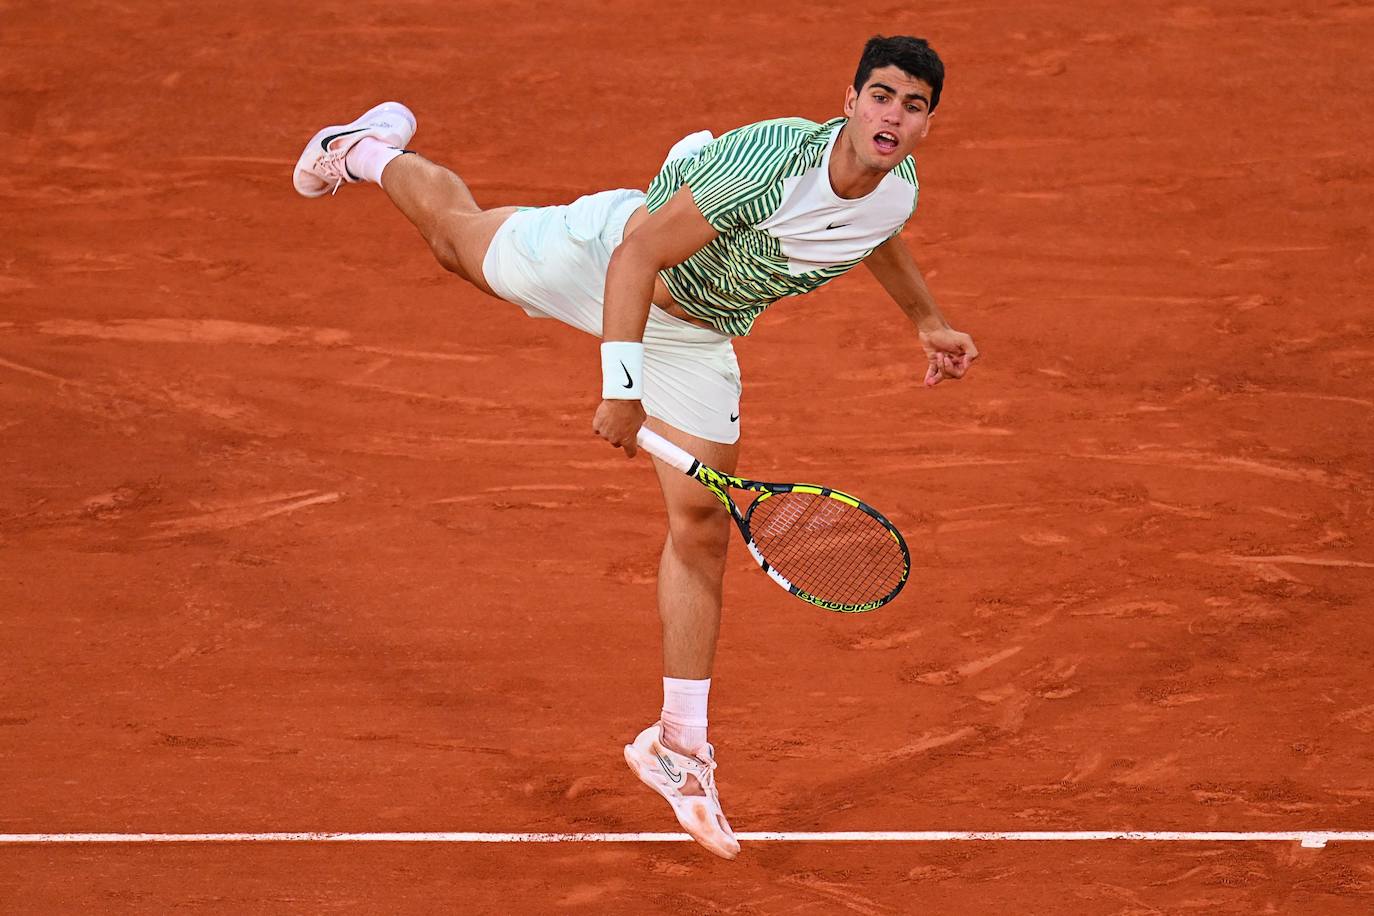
(828, 548)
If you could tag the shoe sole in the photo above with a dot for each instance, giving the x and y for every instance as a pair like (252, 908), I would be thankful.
(645, 771)
(312, 149)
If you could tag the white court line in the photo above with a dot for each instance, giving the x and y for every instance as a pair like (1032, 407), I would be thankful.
(1313, 839)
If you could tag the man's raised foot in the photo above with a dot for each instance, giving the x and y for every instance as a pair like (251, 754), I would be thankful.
(322, 168)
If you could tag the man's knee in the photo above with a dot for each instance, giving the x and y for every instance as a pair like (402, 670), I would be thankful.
(699, 531)
(448, 253)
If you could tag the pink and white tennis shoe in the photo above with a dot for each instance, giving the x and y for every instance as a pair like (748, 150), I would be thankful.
(321, 168)
(688, 782)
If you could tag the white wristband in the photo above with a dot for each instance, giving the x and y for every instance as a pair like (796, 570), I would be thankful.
(622, 370)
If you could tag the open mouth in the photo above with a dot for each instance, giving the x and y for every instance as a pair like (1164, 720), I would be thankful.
(885, 142)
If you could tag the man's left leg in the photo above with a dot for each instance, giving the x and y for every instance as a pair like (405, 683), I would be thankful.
(435, 199)
(673, 756)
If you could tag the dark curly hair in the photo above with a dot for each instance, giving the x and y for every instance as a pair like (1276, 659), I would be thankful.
(913, 56)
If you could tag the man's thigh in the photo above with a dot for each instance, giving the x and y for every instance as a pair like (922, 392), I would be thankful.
(474, 235)
(688, 501)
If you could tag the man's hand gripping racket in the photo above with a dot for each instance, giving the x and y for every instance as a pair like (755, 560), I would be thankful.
(824, 546)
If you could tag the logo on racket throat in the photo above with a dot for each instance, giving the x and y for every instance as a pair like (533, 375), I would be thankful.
(668, 769)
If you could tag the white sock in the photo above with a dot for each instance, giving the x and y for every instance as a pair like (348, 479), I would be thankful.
(369, 157)
(684, 713)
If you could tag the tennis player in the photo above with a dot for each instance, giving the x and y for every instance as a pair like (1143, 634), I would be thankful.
(667, 279)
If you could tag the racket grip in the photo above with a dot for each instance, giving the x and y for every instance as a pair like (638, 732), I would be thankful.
(665, 451)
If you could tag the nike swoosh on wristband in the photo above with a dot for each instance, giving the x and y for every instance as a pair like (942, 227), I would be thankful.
(629, 382)
(332, 137)
(675, 777)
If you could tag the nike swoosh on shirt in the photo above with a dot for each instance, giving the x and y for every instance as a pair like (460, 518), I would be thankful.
(837, 225)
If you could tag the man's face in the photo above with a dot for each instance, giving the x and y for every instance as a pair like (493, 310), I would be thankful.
(888, 117)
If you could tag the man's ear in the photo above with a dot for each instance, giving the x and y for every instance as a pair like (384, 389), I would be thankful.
(850, 97)
(926, 128)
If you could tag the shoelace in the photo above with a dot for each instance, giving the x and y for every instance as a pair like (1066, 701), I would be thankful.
(340, 177)
(706, 774)
(332, 164)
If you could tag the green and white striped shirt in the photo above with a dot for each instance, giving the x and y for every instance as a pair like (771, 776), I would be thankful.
(783, 230)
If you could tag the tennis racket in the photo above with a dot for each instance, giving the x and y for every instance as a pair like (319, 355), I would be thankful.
(824, 546)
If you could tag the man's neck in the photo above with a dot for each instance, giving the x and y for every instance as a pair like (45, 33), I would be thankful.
(849, 178)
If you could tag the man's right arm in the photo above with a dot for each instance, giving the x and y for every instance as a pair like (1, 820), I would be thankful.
(669, 236)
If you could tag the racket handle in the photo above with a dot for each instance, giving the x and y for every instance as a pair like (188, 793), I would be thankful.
(665, 451)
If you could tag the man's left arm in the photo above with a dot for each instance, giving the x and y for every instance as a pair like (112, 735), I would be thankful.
(950, 352)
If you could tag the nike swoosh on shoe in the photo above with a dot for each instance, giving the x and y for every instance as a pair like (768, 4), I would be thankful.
(324, 143)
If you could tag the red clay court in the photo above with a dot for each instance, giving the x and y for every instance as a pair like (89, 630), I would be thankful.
(298, 533)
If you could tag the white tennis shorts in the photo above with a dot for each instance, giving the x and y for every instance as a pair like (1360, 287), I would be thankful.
(551, 261)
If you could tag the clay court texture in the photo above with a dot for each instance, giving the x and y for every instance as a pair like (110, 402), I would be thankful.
(300, 534)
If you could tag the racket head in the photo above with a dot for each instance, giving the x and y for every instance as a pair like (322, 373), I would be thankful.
(826, 547)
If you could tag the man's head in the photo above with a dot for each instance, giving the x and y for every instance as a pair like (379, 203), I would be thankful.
(895, 90)
(913, 56)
